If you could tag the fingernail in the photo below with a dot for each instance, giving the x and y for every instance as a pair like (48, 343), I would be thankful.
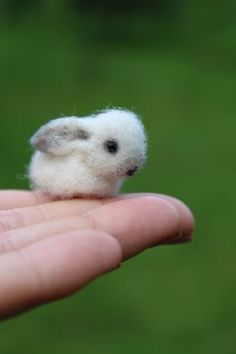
(180, 238)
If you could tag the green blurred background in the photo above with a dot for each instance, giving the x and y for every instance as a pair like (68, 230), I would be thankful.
(175, 63)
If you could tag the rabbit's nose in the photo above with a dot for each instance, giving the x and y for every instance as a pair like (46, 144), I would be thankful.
(132, 171)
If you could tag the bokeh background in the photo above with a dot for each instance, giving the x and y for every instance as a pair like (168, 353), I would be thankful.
(174, 62)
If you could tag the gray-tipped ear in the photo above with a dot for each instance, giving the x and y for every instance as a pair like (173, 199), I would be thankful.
(59, 136)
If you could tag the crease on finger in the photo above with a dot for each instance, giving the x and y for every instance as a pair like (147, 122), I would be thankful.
(22, 237)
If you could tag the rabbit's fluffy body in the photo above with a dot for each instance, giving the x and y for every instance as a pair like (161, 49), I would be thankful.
(88, 156)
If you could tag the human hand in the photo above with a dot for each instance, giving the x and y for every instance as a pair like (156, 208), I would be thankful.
(51, 249)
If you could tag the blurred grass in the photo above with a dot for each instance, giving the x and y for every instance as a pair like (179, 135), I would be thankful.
(169, 300)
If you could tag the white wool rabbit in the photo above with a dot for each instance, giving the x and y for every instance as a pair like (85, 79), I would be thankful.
(88, 156)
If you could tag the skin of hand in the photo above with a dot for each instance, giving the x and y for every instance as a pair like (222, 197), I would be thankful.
(51, 249)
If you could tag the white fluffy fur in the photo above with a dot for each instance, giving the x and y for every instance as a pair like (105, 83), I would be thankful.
(72, 159)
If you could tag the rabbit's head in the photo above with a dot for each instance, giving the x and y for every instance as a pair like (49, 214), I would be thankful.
(112, 143)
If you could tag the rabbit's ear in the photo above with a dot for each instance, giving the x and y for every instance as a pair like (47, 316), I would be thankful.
(59, 136)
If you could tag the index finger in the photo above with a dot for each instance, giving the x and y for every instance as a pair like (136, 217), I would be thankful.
(10, 199)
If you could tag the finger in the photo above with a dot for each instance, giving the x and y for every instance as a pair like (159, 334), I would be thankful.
(54, 268)
(142, 222)
(22, 237)
(186, 216)
(17, 199)
(136, 223)
(22, 217)
(10, 199)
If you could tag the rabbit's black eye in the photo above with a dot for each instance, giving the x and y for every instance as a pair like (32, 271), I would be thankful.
(111, 146)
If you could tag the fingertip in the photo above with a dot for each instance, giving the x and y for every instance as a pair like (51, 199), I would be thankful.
(138, 223)
(186, 217)
(187, 221)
